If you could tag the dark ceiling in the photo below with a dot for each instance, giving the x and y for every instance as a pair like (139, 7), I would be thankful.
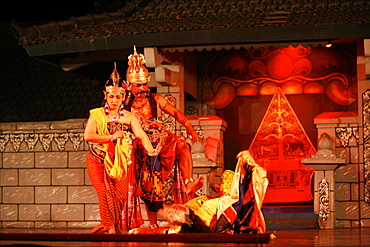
(35, 57)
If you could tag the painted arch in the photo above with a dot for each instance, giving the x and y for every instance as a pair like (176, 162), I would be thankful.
(296, 70)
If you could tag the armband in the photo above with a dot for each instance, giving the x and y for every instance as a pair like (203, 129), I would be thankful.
(187, 124)
(111, 138)
(188, 180)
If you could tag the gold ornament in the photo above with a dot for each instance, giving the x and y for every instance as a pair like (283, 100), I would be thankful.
(116, 79)
(137, 72)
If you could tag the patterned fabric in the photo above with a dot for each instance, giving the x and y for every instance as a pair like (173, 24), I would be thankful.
(116, 156)
(163, 170)
(239, 207)
(179, 188)
(226, 181)
(197, 202)
(152, 185)
(117, 206)
(243, 206)
(160, 177)
(113, 177)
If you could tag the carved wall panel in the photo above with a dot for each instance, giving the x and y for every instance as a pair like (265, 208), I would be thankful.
(366, 126)
(45, 139)
(324, 209)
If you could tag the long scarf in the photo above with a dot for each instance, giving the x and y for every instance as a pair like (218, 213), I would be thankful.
(116, 168)
(230, 204)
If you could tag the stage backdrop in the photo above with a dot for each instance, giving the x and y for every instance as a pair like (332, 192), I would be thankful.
(241, 85)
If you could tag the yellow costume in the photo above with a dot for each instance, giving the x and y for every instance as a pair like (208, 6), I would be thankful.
(116, 168)
(237, 209)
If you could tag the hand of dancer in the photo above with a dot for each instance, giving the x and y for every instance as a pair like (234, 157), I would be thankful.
(153, 152)
(118, 134)
(192, 134)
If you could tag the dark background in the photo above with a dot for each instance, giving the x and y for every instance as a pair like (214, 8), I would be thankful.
(29, 12)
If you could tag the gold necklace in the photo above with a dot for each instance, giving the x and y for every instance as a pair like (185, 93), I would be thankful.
(114, 118)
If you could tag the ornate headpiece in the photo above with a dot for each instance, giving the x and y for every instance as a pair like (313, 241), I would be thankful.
(114, 79)
(136, 69)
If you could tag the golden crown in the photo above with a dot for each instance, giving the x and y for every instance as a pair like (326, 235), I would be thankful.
(116, 79)
(136, 70)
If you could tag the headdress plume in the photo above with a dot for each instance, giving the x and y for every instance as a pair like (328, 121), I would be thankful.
(136, 70)
(115, 78)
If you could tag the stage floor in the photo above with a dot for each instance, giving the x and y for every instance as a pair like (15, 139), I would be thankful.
(301, 237)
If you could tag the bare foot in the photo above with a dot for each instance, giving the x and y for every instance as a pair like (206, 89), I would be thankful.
(195, 185)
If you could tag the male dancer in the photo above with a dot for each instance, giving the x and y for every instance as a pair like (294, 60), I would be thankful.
(175, 154)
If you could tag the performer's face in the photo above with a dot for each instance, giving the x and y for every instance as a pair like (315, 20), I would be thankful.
(139, 86)
(114, 100)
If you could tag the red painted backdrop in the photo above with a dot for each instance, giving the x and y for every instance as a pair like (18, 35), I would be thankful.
(240, 85)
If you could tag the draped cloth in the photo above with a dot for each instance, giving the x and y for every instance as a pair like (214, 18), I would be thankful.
(116, 168)
(239, 207)
(160, 177)
(114, 181)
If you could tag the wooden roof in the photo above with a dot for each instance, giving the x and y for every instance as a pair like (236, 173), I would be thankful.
(173, 23)
(38, 91)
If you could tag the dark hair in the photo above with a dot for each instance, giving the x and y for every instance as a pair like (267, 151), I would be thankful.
(129, 99)
(153, 105)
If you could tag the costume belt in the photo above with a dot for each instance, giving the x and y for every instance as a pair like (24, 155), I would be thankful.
(98, 153)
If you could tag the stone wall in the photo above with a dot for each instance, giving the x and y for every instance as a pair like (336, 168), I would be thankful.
(43, 179)
(349, 178)
(350, 207)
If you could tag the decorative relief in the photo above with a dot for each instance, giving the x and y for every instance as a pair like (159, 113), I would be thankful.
(200, 133)
(16, 139)
(3, 140)
(45, 139)
(31, 140)
(366, 130)
(324, 201)
(61, 139)
(76, 139)
(356, 134)
(260, 71)
(280, 144)
(344, 134)
(191, 110)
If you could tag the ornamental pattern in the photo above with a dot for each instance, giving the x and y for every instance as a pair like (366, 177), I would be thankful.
(324, 201)
(344, 134)
(366, 136)
(45, 139)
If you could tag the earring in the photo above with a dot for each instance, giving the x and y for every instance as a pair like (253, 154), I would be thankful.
(106, 108)
(121, 110)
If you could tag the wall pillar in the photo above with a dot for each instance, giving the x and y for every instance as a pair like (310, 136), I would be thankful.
(209, 162)
(324, 162)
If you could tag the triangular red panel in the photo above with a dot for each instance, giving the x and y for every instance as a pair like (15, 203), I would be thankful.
(279, 145)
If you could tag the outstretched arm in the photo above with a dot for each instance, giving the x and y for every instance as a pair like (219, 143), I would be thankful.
(179, 116)
(91, 134)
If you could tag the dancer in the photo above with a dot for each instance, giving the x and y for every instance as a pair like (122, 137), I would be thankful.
(175, 152)
(237, 210)
(112, 131)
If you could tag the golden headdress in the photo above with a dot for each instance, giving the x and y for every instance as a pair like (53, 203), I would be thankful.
(116, 80)
(136, 70)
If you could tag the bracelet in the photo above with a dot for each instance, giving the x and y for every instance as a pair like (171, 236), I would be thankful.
(188, 180)
(111, 138)
(187, 124)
